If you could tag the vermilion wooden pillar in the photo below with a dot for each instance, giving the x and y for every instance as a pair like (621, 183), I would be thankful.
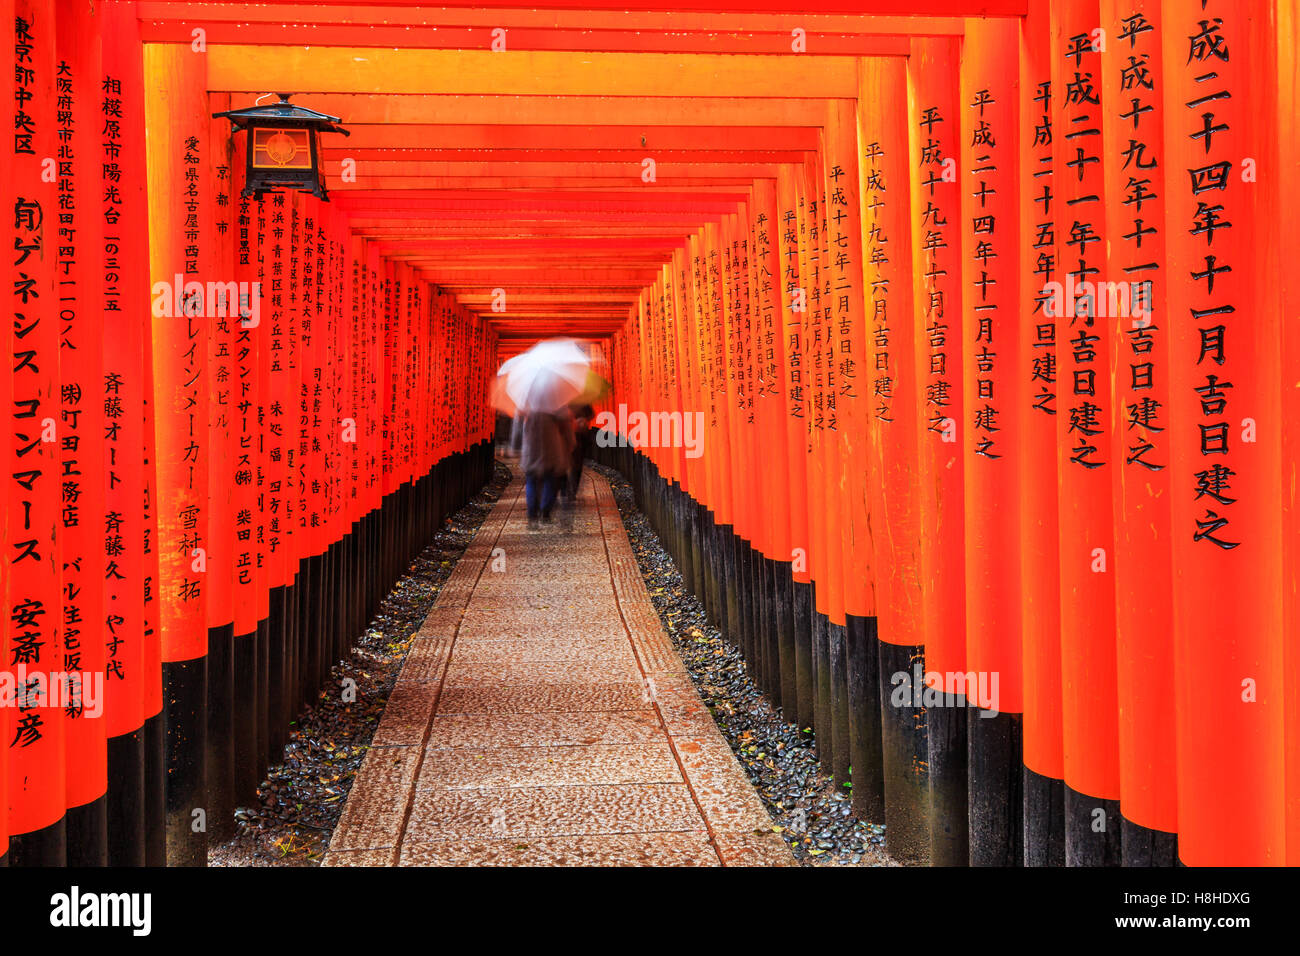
(257, 429)
(796, 391)
(771, 409)
(840, 304)
(34, 608)
(1087, 448)
(175, 114)
(763, 582)
(808, 204)
(991, 356)
(702, 475)
(220, 549)
(893, 440)
(1133, 119)
(1225, 432)
(6, 398)
(1288, 111)
(1036, 387)
(80, 300)
(133, 681)
(853, 406)
(934, 128)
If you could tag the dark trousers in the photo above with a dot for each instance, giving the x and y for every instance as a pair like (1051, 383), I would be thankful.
(575, 470)
(539, 493)
(575, 477)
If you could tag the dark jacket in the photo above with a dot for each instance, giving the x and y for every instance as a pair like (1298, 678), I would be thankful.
(545, 442)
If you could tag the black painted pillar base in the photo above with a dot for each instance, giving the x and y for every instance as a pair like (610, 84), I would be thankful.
(243, 708)
(1044, 820)
(729, 546)
(765, 611)
(47, 846)
(746, 632)
(293, 664)
(260, 698)
(866, 755)
(737, 573)
(155, 790)
(946, 739)
(1143, 846)
(714, 608)
(86, 827)
(905, 752)
(126, 800)
(278, 714)
(308, 631)
(699, 557)
(837, 656)
(687, 541)
(753, 600)
(1094, 832)
(220, 739)
(995, 770)
(821, 667)
(801, 617)
(783, 623)
(185, 694)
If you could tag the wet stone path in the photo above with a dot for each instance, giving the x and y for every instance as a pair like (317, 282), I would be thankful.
(543, 718)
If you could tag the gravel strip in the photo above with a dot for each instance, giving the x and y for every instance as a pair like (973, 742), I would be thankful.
(301, 799)
(812, 815)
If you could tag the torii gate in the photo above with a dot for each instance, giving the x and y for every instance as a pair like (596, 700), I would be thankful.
(834, 234)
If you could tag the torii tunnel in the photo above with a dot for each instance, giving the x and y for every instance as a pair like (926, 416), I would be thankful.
(955, 360)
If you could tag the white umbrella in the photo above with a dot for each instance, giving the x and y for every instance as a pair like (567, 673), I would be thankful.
(547, 377)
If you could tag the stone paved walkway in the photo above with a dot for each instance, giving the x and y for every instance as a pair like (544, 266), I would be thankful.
(543, 717)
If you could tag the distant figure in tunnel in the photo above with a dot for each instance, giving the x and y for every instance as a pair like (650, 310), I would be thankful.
(545, 441)
(582, 419)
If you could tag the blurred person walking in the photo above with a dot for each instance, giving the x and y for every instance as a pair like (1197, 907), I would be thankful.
(545, 441)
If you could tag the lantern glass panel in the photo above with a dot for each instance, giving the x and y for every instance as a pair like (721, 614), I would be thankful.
(281, 148)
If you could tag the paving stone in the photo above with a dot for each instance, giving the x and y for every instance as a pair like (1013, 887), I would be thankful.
(632, 849)
(426, 658)
(385, 857)
(407, 714)
(376, 807)
(753, 849)
(550, 811)
(464, 673)
(679, 703)
(544, 730)
(721, 787)
(539, 698)
(545, 649)
(530, 630)
(468, 769)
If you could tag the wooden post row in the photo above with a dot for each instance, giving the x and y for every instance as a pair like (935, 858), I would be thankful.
(187, 482)
(1032, 433)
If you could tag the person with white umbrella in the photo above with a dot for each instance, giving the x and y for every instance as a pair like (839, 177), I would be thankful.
(537, 386)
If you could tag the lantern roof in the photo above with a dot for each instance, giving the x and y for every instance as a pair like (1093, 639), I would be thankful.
(283, 113)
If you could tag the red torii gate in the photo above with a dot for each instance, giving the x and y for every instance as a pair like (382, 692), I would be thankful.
(774, 135)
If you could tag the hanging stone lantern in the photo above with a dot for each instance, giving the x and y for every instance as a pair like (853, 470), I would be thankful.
(283, 149)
